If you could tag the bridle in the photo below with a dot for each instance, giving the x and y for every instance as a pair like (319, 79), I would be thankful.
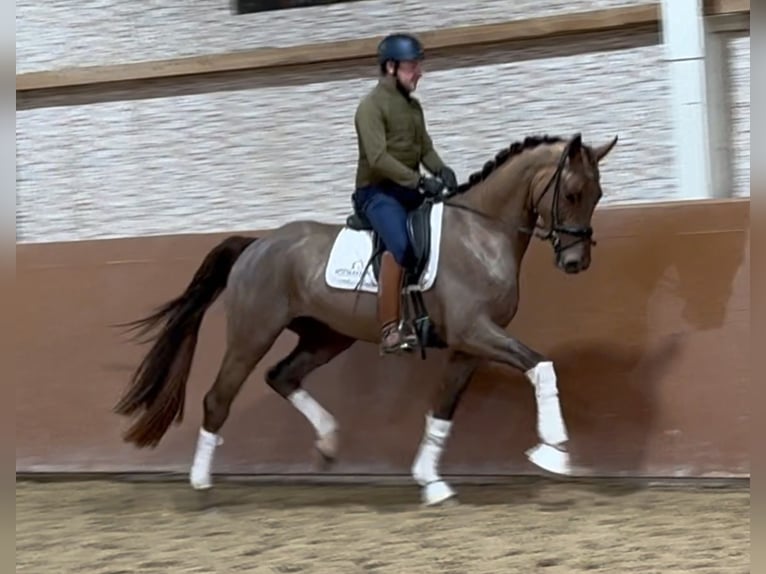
(581, 232)
(552, 234)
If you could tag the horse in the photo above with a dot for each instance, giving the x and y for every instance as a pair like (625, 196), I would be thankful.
(469, 245)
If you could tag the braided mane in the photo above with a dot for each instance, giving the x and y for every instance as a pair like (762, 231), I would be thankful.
(503, 156)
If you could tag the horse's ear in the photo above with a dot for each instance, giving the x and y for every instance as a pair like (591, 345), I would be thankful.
(601, 151)
(575, 146)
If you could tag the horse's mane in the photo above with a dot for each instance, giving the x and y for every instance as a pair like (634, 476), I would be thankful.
(503, 156)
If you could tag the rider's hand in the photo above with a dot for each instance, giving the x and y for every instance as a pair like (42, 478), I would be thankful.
(430, 186)
(447, 175)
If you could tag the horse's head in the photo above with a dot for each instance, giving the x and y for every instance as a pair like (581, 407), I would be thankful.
(565, 197)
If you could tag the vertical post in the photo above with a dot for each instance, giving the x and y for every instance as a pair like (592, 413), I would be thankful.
(719, 112)
(720, 29)
(683, 32)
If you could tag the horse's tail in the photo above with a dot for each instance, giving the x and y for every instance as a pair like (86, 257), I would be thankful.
(159, 383)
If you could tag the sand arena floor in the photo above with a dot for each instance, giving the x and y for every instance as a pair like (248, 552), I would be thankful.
(529, 526)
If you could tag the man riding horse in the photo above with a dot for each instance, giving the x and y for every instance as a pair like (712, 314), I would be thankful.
(541, 186)
(393, 142)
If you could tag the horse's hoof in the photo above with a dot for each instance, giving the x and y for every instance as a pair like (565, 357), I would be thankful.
(201, 483)
(450, 502)
(439, 493)
(550, 459)
(327, 447)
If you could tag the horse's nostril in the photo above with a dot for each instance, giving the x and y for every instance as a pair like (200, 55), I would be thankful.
(572, 266)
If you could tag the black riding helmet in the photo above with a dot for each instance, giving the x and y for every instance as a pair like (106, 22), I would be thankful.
(399, 47)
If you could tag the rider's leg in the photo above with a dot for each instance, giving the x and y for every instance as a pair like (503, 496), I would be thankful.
(389, 218)
(389, 304)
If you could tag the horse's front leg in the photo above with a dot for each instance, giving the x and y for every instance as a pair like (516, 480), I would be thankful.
(425, 468)
(490, 341)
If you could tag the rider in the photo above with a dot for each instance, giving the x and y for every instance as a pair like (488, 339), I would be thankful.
(393, 142)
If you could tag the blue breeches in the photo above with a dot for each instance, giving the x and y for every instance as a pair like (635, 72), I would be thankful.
(386, 208)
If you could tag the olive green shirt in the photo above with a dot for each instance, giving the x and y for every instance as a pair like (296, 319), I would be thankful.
(392, 138)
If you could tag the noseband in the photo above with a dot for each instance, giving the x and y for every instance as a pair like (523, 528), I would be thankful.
(581, 232)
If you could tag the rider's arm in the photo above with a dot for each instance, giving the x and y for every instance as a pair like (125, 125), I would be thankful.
(371, 130)
(430, 159)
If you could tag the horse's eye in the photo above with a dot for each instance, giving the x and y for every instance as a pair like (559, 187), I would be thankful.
(572, 196)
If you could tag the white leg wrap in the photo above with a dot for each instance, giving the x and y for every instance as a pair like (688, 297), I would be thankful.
(550, 458)
(323, 422)
(550, 424)
(203, 459)
(425, 468)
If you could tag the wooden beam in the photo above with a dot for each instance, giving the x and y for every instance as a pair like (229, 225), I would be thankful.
(518, 30)
(720, 7)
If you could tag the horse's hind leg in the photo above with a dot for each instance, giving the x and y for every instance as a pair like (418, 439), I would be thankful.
(317, 345)
(425, 467)
(244, 349)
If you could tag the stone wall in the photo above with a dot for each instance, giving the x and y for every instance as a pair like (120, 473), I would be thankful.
(740, 97)
(100, 32)
(249, 151)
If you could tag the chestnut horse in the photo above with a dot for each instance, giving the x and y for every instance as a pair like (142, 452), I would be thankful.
(541, 186)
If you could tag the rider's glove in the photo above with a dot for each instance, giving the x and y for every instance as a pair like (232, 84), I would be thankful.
(430, 186)
(447, 175)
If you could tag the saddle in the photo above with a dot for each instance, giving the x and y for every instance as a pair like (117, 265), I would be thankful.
(414, 311)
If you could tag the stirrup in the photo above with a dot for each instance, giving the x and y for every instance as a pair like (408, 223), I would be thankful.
(391, 349)
(409, 338)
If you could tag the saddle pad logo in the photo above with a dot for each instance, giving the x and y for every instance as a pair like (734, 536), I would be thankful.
(354, 270)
